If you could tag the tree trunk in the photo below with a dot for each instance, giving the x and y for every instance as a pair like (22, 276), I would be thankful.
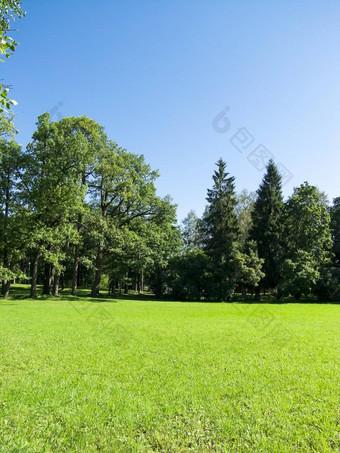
(258, 294)
(6, 283)
(98, 273)
(126, 288)
(33, 292)
(56, 285)
(62, 282)
(75, 271)
(47, 289)
(5, 288)
(75, 276)
(298, 295)
(244, 294)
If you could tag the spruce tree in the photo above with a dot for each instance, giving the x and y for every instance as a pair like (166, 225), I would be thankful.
(220, 233)
(267, 228)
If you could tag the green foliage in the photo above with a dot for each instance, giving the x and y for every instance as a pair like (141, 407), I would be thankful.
(299, 275)
(243, 210)
(308, 241)
(122, 191)
(9, 11)
(249, 267)
(215, 257)
(328, 284)
(56, 159)
(11, 274)
(189, 276)
(308, 225)
(163, 239)
(13, 231)
(335, 227)
(7, 129)
(220, 229)
(267, 228)
(191, 234)
(78, 204)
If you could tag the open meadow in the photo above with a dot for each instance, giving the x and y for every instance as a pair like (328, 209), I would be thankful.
(113, 375)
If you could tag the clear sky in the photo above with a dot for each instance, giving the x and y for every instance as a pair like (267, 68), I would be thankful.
(157, 73)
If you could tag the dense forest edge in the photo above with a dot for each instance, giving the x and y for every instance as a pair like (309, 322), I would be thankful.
(77, 210)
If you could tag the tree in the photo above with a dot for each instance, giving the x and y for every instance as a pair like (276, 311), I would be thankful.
(122, 190)
(54, 191)
(164, 241)
(328, 283)
(9, 11)
(221, 232)
(299, 275)
(308, 224)
(189, 276)
(243, 209)
(12, 222)
(146, 245)
(191, 232)
(92, 141)
(7, 129)
(249, 268)
(267, 228)
(335, 226)
(308, 240)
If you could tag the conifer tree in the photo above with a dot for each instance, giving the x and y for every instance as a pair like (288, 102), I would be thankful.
(220, 232)
(267, 228)
(335, 225)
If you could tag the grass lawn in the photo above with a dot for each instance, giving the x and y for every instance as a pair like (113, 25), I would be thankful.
(84, 375)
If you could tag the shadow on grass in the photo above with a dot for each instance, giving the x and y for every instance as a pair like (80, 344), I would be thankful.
(21, 292)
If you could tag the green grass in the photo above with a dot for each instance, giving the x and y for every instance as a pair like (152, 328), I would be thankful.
(84, 375)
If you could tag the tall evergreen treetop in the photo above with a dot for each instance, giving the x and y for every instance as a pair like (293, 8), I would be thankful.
(267, 229)
(220, 218)
(220, 231)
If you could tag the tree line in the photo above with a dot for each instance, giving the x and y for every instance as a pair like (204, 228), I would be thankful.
(76, 207)
(254, 243)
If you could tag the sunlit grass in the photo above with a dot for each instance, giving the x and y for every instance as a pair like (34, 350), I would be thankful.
(83, 375)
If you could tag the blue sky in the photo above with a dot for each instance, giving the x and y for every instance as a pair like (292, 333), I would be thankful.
(157, 73)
